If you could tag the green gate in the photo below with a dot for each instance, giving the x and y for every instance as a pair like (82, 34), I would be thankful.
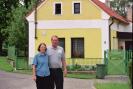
(20, 61)
(116, 62)
(12, 52)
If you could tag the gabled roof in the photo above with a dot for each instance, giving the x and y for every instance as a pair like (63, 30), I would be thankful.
(110, 12)
(105, 8)
(41, 2)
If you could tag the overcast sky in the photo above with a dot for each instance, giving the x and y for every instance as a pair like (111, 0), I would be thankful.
(102, 0)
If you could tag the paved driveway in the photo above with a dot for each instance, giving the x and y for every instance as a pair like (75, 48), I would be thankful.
(22, 81)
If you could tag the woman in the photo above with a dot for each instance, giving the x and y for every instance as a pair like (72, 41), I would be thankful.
(41, 71)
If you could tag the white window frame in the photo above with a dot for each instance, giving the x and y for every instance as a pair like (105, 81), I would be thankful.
(54, 8)
(73, 7)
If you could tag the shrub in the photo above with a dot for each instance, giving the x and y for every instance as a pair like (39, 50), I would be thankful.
(77, 67)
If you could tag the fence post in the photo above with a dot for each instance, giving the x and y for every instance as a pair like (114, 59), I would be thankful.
(12, 55)
(106, 62)
(16, 59)
(106, 56)
(127, 59)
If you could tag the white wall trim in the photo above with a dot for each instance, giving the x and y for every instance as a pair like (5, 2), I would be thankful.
(105, 15)
(31, 17)
(105, 37)
(105, 32)
(122, 27)
(60, 24)
(31, 41)
(73, 7)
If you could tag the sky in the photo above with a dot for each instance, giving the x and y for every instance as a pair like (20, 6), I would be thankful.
(102, 0)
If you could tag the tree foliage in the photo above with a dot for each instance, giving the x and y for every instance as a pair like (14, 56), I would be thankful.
(5, 14)
(13, 25)
(18, 25)
(18, 29)
(120, 6)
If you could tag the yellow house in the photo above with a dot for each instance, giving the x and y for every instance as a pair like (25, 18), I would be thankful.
(85, 28)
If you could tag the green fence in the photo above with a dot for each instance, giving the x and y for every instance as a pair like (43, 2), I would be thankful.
(21, 63)
(117, 61)
(17, 57)
(84, 61)
(12, 52)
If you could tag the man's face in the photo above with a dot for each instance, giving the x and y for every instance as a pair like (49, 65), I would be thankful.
(54, 41)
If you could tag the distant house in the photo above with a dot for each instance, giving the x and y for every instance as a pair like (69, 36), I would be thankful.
(86, 28)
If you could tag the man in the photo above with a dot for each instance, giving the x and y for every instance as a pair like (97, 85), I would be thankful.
(56, 63)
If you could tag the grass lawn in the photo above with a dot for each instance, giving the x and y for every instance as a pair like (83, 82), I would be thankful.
(81, 76)
(112, 86)
(74, 75)
(23, 71)
(4, 65)
(78, 76)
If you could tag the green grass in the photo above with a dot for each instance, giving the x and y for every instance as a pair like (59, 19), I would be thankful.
(23, 71)
(112, 86)
(81, 76)
(4, 65)
(77, 76)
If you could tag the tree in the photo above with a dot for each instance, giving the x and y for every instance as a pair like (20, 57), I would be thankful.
(5, 14)
(18, 33)
(12, 21)
(120, 6)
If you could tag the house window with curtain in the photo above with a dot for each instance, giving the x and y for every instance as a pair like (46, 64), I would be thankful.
(62, 43)
(77, 47)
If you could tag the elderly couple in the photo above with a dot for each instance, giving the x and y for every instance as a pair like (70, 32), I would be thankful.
(48, 66)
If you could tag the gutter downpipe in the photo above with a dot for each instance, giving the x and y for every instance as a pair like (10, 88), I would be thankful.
(110, 33)
(35, 19)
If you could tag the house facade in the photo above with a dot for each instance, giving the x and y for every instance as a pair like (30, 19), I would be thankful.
(86, 28)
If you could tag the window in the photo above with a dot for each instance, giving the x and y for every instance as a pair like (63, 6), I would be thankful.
(77, 47)
(62, 43)
(58, 8)
(76, 8)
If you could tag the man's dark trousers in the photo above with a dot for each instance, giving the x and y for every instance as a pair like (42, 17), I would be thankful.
(56, 78)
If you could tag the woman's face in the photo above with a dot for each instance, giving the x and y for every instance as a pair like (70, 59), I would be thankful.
(42, 48)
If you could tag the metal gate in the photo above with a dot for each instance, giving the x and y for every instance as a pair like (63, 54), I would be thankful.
(117, 61)
(20, 61)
